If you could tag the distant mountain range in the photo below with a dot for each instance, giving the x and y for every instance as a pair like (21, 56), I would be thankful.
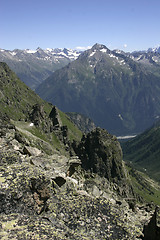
(119, 91)
(34, 66)
(156, 49)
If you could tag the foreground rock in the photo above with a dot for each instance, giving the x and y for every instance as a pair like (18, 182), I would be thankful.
(101, 153)
(151, 230)
(53, 197)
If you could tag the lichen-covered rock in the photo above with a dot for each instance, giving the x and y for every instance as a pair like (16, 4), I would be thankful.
(31, 151)
(53, 197)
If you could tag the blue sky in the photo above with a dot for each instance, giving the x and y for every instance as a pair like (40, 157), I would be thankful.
(124, 24)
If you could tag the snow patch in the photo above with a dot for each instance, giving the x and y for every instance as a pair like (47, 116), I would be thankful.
(113, 56)
(122, 62)
(49, 49)
(126, 137)
(155, 59)
(92, 54)
(120, 116)
(103, 50)
(79, 48)
(69, 53)
(30, 51)
(132, 57)
(118, 51)
(31, 124)
(139, 58)
(13, 53)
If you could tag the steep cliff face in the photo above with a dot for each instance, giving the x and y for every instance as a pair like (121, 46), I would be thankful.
(151, 230)
(102, 153)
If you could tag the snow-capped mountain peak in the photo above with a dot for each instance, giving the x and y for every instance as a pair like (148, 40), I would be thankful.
(155, 49)
(30, 51)
(37, 64)
(52, 53)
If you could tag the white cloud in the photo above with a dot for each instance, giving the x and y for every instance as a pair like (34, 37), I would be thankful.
(125, 45)
(79, 48)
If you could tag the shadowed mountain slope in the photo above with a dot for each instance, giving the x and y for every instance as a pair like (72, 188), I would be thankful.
(115, 91)
(144, 151)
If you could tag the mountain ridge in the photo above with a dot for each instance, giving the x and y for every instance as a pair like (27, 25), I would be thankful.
(114, 90)
(34, 66)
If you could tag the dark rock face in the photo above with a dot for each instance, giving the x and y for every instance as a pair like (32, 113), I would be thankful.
(54, 116)
(101, 152)
(37, 114)
(151, 230)
(39, 117)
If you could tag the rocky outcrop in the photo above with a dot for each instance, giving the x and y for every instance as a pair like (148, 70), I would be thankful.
(55, 117)
(151, 231)
(101, 152)
(53, 197)
(49, 123)
(39, 117)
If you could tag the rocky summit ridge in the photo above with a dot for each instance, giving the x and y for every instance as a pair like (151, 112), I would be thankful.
(56, 183)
